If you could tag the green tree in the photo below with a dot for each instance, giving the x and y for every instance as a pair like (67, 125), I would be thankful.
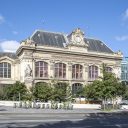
(94, 91)
(108, 87)
(2, 93)
(42, 91)
(112, 86)
(68, 93)
(61, 91)
(17, 91)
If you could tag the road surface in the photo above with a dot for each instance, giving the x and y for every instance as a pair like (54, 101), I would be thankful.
(22, 118)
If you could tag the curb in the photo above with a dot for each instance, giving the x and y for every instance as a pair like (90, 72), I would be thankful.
(59, 113)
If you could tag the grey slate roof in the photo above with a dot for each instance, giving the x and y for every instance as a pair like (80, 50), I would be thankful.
(58, 40)
(48, 38)
(8, 54)
(97, 46)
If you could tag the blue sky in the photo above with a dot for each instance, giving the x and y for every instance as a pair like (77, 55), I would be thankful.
(106, 20)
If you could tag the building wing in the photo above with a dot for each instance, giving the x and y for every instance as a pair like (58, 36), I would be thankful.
(8, 54)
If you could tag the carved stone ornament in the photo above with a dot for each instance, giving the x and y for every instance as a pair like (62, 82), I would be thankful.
(28, 42)
(28, 71)
(119, 52)
(77, 38)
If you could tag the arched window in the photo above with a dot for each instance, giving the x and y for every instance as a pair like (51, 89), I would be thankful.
(60, 70)
(41, 69)
(93, 72)
(76, 88)
(5, 70)
(77, 71)
(108, 69)
(61, 85)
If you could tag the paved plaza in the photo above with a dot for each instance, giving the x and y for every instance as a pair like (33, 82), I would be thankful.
(48, 118)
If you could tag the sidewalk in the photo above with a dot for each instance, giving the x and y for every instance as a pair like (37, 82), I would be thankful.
(11, 110)
(5, 109)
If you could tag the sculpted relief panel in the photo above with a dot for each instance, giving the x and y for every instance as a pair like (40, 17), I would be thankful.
(28, 71)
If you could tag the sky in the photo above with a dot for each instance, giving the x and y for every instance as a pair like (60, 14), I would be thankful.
(106, 20)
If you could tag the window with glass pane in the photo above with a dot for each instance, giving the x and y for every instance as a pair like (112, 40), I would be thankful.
(60, 70)
(5, 70)
(77, 71)
(93, 72)
(108, 69)
(41, 69)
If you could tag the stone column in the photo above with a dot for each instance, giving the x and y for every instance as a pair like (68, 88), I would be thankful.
(86, 73)
(100, 70)
(51, 69)
(69, 73)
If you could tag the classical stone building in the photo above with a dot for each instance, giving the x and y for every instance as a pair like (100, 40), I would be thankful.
(45, 56)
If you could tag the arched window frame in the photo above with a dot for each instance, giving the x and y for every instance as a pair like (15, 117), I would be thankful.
(77, 71)
(5, 70)
(93, 72)
(41, 69)
(60, 70)
(108, 69)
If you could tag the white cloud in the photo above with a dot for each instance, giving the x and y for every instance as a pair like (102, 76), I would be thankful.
(9, 46)
(122, 38)
(1, 19)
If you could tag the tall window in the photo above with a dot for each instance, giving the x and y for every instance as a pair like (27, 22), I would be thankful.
(60, 70)
(41, 69)
(108, 69)
(93, 72)
(5, 70)
(77, 71)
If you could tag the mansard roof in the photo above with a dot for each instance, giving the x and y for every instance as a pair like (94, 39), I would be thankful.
(8, 54)
(48, 38)
(60, 40)
(97, 45)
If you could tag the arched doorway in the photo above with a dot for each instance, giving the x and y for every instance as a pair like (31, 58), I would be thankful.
(76, 89)
(41, 83)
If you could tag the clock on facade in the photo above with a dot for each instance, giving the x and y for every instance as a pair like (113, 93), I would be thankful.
(78, 39)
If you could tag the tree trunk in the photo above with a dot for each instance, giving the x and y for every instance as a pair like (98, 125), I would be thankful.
(104, 106)
(113, 103)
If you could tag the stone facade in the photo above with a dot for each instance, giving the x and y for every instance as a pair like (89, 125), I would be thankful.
(52, 48)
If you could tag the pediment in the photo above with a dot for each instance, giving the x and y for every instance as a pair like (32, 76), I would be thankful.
(76, 41)
(76, 38)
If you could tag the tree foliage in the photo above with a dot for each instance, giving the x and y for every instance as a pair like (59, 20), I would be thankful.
(108, 87)
(42, 91)
(61, 92)
(17, 91)
(94, 90)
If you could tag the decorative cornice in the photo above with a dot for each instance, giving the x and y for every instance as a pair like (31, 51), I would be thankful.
(67, 51)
